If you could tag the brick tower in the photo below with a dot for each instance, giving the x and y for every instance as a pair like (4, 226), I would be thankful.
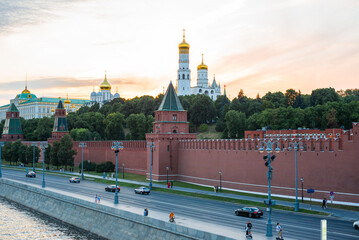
(12, 129)
(170, 126)
(60, 124)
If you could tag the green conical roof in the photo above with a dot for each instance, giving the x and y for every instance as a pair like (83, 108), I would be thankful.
(12, 108)
(170, 101)
(60, 105)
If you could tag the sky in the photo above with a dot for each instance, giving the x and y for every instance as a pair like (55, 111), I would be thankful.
(65, 46)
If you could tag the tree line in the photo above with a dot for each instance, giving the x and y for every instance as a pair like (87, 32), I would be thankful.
(60, 153)
(131, 119)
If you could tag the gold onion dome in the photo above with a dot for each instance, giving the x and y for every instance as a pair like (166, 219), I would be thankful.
(25, 90)
(202, 65)
(183, 46)
(67, 101)
(105, 85)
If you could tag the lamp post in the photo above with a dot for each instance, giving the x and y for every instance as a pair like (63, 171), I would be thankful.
(123, 170)
(269, 148)
(167, 174)
(33, 156)
(295, 145)
(302, 180)
(1, 145)
(116, 146)
(151, 145)
(43, 146)
(220, 180)
(82, 145)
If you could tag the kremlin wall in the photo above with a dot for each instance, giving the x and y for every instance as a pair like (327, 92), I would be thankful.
(326, 164)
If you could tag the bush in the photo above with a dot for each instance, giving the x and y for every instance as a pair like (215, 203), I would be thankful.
(203, 127)
(105, 167)
(88, 166)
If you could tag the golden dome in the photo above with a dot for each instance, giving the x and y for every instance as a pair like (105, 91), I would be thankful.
(67, 101)
(183, 46)
(202, 65)
(25, 90)
(105, 85)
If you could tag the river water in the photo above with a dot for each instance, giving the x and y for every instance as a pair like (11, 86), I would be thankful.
(18, 222)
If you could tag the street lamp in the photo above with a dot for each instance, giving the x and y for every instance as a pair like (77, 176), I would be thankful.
(151, 145)
(167, 174)
(220, 180)
(295, 146)
(82, 145)
(116, 146)
(123, 170)
(302, 180)
(43, 146)
(269, 144)
(33, 156)
(1, 145)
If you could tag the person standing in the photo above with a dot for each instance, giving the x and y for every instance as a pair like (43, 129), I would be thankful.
(323, 204)
(145, 212)
(171, 184)
(96, 198)
(168, 184)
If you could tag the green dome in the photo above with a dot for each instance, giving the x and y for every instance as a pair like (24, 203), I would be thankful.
(26, 96)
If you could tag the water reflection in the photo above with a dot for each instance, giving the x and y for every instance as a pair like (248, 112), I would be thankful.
(18, 222)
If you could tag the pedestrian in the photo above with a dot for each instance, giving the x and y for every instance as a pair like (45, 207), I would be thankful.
(112, 175)
(279, 231)
(96, 198)
(104, 175)
(323, 204)
(145, 212)
(171, 184)
(168, 184)
(214, 188)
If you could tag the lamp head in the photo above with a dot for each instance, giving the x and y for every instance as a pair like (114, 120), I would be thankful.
(261, 149)
(301, 147)
(277, 150)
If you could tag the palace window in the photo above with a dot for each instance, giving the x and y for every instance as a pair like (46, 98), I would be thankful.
(174, 117)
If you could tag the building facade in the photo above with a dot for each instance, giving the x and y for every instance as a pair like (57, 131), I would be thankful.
(30, 106)
(184, 76)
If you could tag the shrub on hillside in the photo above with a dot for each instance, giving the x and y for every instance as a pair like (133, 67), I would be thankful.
(105, 167)
(203, 127)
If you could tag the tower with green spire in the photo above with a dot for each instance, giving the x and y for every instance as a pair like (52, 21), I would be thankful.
(60, 124)
(12, 130)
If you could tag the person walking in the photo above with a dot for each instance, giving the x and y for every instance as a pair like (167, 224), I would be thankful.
(145, 212)
(96, 198)
(279, 231)
(323, 204)
(168, 184)
(171, 184)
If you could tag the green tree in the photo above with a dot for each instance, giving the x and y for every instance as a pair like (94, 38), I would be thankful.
(6, 152)
(273, 100)
(15, 152)
(81, 134)
(114, 126)
(323, 95)
(54, 159)
(202, 110)
(66, 153)
(30, 154)
(236, 124)
(48, 155)
(290, 97)
(44, 128)
(137, 123)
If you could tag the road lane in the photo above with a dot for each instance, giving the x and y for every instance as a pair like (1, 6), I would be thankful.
(211, 211)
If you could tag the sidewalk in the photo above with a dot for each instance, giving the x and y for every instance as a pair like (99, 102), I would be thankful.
(335, 213)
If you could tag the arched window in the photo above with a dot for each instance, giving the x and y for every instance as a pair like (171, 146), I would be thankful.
(183, 76)
(187, 76)
(174, 131)
(200, 91)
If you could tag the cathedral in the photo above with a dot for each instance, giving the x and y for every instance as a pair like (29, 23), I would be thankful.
(104, 95)
(184, 76)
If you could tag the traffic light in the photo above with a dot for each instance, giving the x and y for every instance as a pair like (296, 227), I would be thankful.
(116, 151)
(265, 158)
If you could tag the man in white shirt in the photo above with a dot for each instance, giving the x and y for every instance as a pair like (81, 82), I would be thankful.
(279, 231)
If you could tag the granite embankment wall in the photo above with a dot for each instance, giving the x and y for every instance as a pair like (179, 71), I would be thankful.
(102, 220)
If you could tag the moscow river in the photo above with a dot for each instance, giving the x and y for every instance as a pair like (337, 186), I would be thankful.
(18, 222)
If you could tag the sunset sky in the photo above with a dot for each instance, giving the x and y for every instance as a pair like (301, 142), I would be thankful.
(65, 46)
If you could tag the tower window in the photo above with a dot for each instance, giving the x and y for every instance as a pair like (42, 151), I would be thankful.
(183, 76)
(179, 76)
(187, 76)
(174, 117)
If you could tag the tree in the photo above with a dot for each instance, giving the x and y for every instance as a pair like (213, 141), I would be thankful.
(15, 152)
(6, 152)
(323, 95)
(81, 134)
(66, 153)
(273, 100)
(30, 154)
(236, 124)
(202, 110)
(137, 123)
(44, 128)
(290, 97)
(114, 126)
(48, 155)
(54, 159)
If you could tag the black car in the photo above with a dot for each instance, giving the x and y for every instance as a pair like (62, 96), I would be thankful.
(249, 212)
(111, 188)
(31, 174)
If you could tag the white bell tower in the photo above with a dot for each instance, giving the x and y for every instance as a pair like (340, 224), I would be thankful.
(183, 72)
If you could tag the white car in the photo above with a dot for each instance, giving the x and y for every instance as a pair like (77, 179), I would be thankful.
(74, 180)
(356, 225)
(142, 190)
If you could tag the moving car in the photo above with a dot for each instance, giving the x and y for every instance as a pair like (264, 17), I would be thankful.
(31, 174)
(142, 190)
(75, 180)
(249, 212)
(356, 225)
(111, 188)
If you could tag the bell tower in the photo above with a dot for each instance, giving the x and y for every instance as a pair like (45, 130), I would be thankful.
(170, 126)
(183, 72)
